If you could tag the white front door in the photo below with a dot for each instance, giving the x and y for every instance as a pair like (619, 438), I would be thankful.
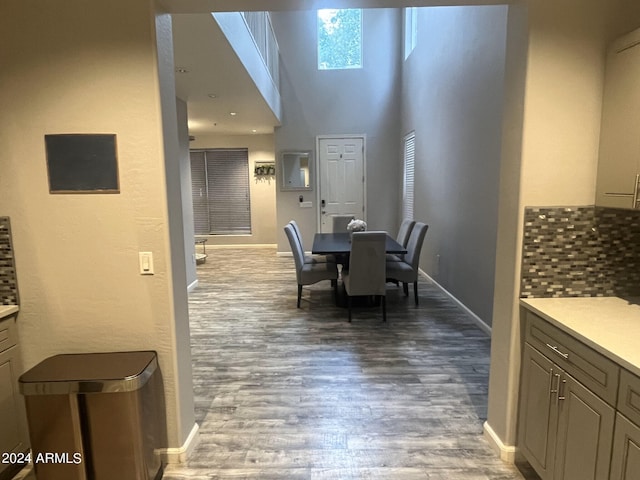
(342, 180)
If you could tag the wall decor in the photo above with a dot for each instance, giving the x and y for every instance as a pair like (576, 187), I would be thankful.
(264, 168)
(82, 163)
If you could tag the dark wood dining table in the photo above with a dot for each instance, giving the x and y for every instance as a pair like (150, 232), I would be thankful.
(340, 244)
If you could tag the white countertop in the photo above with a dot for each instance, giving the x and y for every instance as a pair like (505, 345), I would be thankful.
(609, 325)
(6, 310)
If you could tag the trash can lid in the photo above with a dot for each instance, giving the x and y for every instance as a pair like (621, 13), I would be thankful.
(89, 373)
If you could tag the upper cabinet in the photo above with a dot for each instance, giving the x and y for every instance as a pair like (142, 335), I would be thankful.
(619, 159)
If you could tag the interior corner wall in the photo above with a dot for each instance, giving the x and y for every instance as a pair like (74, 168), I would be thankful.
(77, 67)
(185, 189)
(452, 97)
(559, 129)
(353, 101)
(262, 188)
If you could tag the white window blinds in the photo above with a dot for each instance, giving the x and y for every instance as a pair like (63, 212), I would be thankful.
(220, 190)
(409, 170)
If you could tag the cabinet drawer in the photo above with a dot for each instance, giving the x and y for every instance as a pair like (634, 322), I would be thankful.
(629, 396)
(593, 370)
(8, 336)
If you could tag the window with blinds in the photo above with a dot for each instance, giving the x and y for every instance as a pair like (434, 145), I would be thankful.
(220, 191)
(409, 157)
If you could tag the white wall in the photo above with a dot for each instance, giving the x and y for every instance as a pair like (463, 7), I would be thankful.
(356, 101)
(185, 188)
(262, 189)
(77, 67)
(554, 83)
(452, 97)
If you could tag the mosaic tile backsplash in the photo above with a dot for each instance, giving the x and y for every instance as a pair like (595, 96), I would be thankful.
(8, 282)
(580, 252)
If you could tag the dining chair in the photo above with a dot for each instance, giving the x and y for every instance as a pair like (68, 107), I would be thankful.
(407, 270)
(366, 272)
(309, 273)
(404, 232)
(309, 258)
(340, 222)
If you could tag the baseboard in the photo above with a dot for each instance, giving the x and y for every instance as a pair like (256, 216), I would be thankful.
(507, 453)
(242, 245)
(477, 320)
(192, 286)
(181, 454)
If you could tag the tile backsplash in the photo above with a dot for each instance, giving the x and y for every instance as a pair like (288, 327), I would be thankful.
(580, 252)
(8, 281)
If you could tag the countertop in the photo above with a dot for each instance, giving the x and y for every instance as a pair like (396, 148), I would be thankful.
(609, 325)
(6, 310)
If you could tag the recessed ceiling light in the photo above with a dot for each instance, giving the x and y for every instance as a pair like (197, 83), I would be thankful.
(212, 95)
(254, 130)
(233, 114)
(181, 70)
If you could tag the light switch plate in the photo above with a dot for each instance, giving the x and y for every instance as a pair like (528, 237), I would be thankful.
(146, 263)
(306, 204)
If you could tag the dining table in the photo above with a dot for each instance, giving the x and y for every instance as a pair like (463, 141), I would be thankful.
(340, 244)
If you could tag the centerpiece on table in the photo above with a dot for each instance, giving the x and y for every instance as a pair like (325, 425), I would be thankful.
(356, 225)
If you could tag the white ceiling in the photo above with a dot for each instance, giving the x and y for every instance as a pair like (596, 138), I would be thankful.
(213, 68)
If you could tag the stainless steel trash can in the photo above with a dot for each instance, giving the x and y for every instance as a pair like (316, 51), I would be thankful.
(95, 416)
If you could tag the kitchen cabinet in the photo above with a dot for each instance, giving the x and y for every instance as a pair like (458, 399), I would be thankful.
(566, 430)
(625, 458)
(619, 157)
(567, 405)
(13, 434)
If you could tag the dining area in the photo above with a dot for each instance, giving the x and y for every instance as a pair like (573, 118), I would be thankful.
(360, 264)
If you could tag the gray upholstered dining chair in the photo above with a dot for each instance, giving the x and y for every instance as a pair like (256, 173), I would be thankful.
(404, 232)
(309, 258)
(340, 222)
(308, 273)
(407, 270)
(366, 272)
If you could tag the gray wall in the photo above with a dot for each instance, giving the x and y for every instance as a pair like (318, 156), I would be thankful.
(363, 101)
(452, 96)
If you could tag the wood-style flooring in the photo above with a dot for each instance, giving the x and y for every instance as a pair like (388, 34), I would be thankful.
(300, 394)
(287, 393)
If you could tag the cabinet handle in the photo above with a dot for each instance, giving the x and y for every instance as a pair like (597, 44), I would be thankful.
(561, 395)
(557, 389)
(555, 349)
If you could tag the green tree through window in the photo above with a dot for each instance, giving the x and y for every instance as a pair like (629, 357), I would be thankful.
(339, 38)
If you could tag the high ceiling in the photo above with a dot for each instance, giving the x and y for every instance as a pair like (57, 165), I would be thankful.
(213, 69)
(215, 83)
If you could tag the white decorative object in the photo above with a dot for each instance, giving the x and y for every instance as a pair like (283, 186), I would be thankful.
(356, 225)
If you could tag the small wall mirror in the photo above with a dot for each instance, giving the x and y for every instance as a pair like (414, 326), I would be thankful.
(295, 170)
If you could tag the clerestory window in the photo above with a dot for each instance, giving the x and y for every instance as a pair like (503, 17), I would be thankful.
(339, 39)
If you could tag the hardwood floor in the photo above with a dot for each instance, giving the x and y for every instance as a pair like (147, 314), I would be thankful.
(287, 393)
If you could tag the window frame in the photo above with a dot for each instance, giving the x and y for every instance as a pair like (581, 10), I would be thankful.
(360, 42)
(408, 175)
(410, 30)
(210, 214)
